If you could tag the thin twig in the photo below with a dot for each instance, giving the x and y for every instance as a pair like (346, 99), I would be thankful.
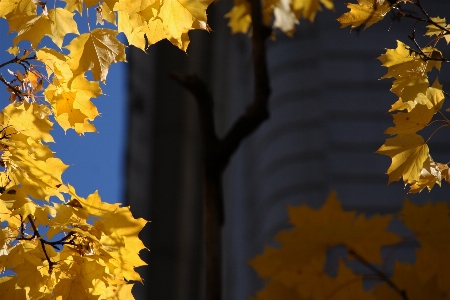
(380, 274)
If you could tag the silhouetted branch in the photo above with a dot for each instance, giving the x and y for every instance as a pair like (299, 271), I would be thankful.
(379, 273)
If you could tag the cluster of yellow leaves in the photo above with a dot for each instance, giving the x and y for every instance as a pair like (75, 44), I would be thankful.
(297, 269)
(143, 22)
(77, 249)
(99, 245)
(282, 14)
(418, 100)
(52, 247)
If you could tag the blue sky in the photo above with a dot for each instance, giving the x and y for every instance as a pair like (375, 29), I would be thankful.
(97, 159)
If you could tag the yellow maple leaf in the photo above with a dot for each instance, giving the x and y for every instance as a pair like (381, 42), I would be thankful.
(401, 61)
(33, 30)
(133, 17)
(55, 63)
(30, 277)
(107, 14)
(408, 69)
(434, 30)
(412, 121)
(420, 113)
(92, 205)
(61, 23)
(23, 118)
(95, 51)
(431, 224)
(56, 24)
(408, 153)
(406, 278)
(121, 235)
(408, 88)
(345, 286)
(308, 8)
(176, 18)
(7, 6)
(23, 12)
(70, 96)
(154, 32)
(9, 291)
(430, 175)
(366, 12)
(133, 28)
(74, 5)
(239, 17)
(300, 259)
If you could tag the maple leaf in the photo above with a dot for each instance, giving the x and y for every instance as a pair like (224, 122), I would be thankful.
(408, 69)
(61, 23)
(71, 103)
(435, 30)
(298, 264)
(95, 51)
(309, 8)
(408, 153)
(431, 224)
(8, 288)
(406, 277)
(239, 17)
(7, 6)
(177, 20)
(134, 29)
(69, 95)
(431, 174)
(56, 24)
(366, 12)
(55, 63)
(23, 12)
(23, 117)
(420, 112)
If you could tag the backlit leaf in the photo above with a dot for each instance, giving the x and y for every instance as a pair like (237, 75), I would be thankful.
(408, 153)
(95, 51)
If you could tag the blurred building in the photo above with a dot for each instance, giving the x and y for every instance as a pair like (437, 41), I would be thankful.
(328, 114)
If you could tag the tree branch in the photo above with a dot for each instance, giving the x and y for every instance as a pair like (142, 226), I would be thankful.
(380, 274)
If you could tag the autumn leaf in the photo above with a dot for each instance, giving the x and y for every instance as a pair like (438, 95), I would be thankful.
(435, 30)
(239, 17)
(431, 224)
(366, 12)
(23, 12)
(431, 174)
(24, 117)
(308, 8)
(297, 267)
(406, 278)
(408, 69)
(95, 51)
(408, 153)
(61, 23)
(8, 288)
